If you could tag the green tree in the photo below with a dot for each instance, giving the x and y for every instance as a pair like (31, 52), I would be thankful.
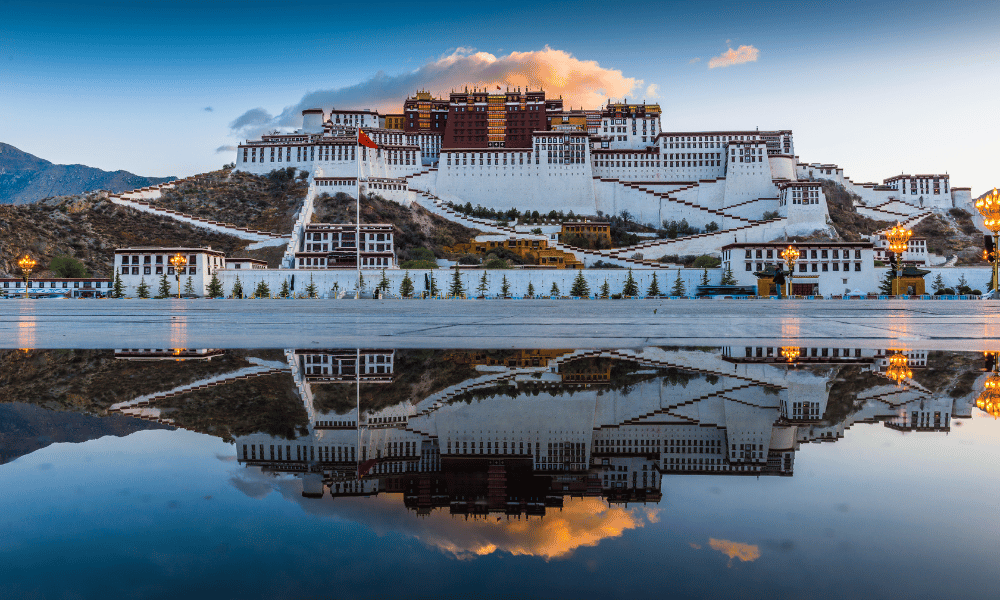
(406, 287)
(704, 277)
(434, 288)
(580, 287)
(164, 289)
(214, 287)
(605, 290)
(938, 283)
(285, 290)
(654, 286)
(361, 283)
(119, 289)
(67, 266)
(456, 288)
(678, 289)
(262, 290)
(143, 289)
(238, 288)
(531, 290)
(554, 292)
(189, 286)
(885, 286)
(483, 286)
(335, 290)
(384, 283)
(311, 288)
(631, 288)
(505, 287)
(727, 276)
(963, 285)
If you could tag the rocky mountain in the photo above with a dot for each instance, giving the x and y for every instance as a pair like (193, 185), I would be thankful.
(25, 178)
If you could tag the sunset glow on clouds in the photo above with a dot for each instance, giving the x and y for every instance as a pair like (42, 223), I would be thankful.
(741, 55)
(581, 83)
(744, 552)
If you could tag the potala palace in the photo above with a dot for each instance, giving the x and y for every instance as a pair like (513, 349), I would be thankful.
(518, 149)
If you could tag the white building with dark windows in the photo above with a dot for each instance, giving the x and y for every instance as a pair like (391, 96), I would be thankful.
(150, 264)
(332, 246)
(823, 268)
(81, 287)
(246, 264)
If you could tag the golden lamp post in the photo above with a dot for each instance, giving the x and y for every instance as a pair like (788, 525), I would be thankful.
(790, 255)
(27, 264)
(899, 240)
(178, 261)
(790, 353)
(899, 367)
(989, 207)
(989, 400)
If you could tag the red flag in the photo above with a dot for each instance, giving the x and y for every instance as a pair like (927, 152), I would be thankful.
(366, 466)
(364, 140)
(498, 87)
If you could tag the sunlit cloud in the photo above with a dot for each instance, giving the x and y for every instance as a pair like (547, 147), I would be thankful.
(694, 60)
(225, 149)
(741, 55)
(652, 91)
(695, 546)
(581, 83)
(744, 552)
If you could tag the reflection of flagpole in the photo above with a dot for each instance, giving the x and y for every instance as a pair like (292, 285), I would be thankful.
(357, 219)
(357, 375)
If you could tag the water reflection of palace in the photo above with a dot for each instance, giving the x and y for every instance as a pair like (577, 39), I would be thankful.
(528, 428)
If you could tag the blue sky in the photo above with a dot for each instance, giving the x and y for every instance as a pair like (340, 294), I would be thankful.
(876, 87)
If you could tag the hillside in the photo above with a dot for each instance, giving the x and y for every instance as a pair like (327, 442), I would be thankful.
(26, 178)
(89, 228)
(265, 203)
(414, 226)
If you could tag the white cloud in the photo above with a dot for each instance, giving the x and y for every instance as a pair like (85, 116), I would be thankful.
(559, 73)
(743, 54)
(694, 60)
(652, 91)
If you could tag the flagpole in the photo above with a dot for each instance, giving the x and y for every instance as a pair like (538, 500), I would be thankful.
(357, 373)
(357, 218)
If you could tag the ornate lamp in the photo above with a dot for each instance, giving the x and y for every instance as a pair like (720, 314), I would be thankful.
(989, 400)
(790, 353)
(178, 261)
(27, 264)
(899, 240)
(790, 255)
(989, 207)
(899, 367)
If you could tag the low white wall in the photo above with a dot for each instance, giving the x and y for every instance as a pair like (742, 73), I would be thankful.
(518, 279)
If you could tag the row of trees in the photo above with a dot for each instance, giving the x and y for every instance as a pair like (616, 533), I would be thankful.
(214, 290)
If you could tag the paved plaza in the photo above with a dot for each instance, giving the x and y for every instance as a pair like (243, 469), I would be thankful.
(930, 324)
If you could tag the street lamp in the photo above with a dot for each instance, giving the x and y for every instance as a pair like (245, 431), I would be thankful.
(790, 353)
(178, 261)
(989, 207)
(790, 254)
(899, 240)
(899, 367)
(27, 264)
(989, 399)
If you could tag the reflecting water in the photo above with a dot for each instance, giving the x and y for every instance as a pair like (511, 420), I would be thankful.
(683, 472)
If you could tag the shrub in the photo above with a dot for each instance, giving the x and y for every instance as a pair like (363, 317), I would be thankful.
(770, 214)
(469, 259)
(706, 262)
(67, 266)
(496, 263)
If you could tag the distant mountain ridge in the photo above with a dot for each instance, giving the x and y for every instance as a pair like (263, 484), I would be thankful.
(25, 178)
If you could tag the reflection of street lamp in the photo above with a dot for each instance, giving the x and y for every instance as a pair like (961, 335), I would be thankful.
(790, 353)
(989, 207)
(899, 367)
(27, 264)
(899, 240)
(790, 254)
(989, 399)
(178, 261)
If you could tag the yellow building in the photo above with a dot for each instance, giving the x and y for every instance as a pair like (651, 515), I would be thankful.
(598, 233)
(534, 250)
(394, 121)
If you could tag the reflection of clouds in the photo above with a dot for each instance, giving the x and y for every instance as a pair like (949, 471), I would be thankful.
(744, 552)
(581, 522)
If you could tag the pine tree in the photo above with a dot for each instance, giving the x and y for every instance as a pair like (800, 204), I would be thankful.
(580, 287)
(335, 290)
(119, 289)
(885, 286)
(631, 287)
(963, 285)
(483, 286)
(311, 288)
(654, 286)
(554, 292)
(406, 287)
(505, 287)
(285, 290)
(214, 287)
(164, 290)
(143, 289)
(678, 289)
(361, 283)
(727, 276)
(189, 286)
(938, 283)
(384, 283)
(531, 290)
(262, 291)
(605, 290)
(238, 288)
(456, 289)
(434, 288)
(704, 277)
